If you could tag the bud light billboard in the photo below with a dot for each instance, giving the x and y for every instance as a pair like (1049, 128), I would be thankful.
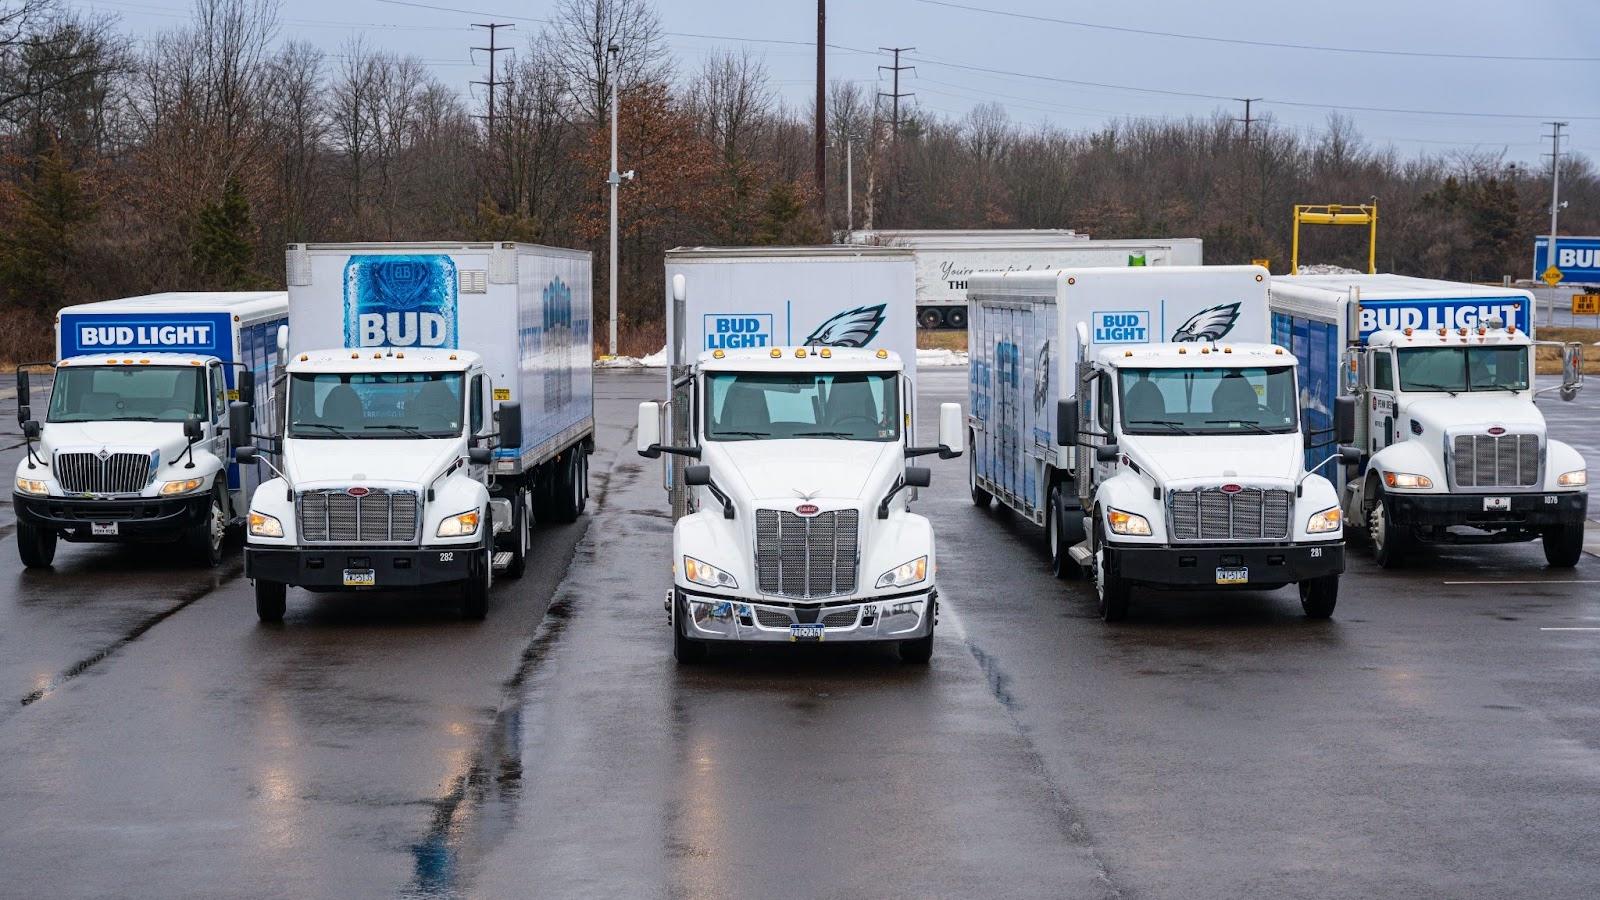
(400, 301)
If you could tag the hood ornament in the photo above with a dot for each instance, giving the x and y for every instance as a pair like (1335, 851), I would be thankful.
(806, 495)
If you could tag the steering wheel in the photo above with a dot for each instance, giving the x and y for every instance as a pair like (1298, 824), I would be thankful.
(834, 423)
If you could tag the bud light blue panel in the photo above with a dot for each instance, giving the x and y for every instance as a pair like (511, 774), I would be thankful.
(1316, 346)
(393, 300)
(209, 334)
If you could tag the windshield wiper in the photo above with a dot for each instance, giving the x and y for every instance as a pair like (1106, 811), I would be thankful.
(1496, 387)
(408, 429)
(1248, 423)
(823, 434)
(331, 429)
(1177, 427)
(754, 434)
(1424, 386)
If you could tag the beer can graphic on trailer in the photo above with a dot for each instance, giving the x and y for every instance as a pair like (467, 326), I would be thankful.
(393, 300)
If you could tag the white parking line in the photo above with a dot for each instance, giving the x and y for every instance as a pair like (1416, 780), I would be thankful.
(1531, 581)
(1572, 628)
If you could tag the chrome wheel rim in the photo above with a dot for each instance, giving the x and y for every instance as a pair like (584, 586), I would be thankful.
(217, 527)
(1377, 528)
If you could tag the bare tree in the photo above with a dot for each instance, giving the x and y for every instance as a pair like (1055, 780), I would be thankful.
(584, 31)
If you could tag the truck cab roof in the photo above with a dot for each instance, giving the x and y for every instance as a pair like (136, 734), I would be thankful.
(800, 359)
(236, 302)
(126, 358)
(383, 359)
(1190, 354)
(1450, 337)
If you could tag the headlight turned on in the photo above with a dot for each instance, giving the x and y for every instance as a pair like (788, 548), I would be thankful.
(32, 486)
(1127, 522)
(1330, 519)
(1407, 481)
(263, 525)
(459, 525)
(172, 488)
(707, 574)
(1578, 478)
(905, 574)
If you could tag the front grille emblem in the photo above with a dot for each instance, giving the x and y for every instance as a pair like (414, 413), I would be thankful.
(357, 491)
(807, 509)
(104, 454)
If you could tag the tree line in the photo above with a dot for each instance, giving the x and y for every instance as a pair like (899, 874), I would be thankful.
(188, 160)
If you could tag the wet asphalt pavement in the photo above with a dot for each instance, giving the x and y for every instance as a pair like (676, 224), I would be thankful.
(1430, 741)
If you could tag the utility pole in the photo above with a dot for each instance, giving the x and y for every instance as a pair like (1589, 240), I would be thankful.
(1246, 120)
(1555, 194)
(894, 116)
(849, 186)
(492, 49)
(822, 111)
(1244, 208)
(614, 179)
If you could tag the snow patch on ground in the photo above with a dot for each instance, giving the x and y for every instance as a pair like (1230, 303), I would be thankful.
(927, 359)
(1324, 269)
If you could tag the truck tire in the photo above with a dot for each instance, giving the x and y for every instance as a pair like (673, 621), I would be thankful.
(582, 480)
(565, 500)
(1061, 564)
(956, 317)
(272, 600)
(475, 591)
(1389, 541)
(1110, 590)
(36, 546)
(1563, 545)
(1318, 596)
(518, 535)
(204, 540)
(686, 650)
(929, 317)
(980, 497)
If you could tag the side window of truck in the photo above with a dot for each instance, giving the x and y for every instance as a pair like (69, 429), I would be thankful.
(477, 404)
(219, 393)
(1104, 393)
(1382, 371)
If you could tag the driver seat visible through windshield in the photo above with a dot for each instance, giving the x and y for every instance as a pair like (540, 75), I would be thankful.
(850, 401)
(745, 409)
(342, 407)
(1144, 402)
(1234, 397)
(435, 409)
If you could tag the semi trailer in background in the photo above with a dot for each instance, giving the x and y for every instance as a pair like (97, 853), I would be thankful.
(439, 399)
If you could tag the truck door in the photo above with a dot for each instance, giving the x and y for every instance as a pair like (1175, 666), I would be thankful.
(1380, 405)
(216, 419)
(1102, 429)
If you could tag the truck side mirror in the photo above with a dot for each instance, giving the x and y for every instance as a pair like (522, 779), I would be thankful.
(1344, 420)
(1067, 423)
(241, 417)
(951, 432)
(1106, 453)
(1571, 371)
(193, 429)
(22, 396)
(1350, 456)
(919, 476)
(647, 440)
(697, 476)
(31, 430)
(480, 456)
(246, 380)
(510, 418)
(244, 453)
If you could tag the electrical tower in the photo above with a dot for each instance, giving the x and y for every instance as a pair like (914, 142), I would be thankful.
(492, 83)
(894, 120)
(1246, 120)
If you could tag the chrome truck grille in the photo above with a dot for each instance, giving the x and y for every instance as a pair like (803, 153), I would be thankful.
(1210, 514)
(806, 557)
(1489, 460)
(113, 473)
(376, 517)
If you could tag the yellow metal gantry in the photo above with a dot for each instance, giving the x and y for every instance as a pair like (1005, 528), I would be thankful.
(1336, 214)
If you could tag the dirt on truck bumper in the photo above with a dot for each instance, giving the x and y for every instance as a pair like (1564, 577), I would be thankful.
(355, 568)
(1213, 567)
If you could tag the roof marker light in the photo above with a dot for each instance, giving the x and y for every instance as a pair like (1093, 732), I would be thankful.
(1278, 350)
(883, 354)
(1127, 353)
(799, 353)
(111, 362)
(1182, 351)
(1441, 331)
(192, 362)
(304, 357)
(355, 356)
(1511, 329)
(776, 353)
(1227, 349)
(1461, 331)
(452, 357)
(1406, 331)
(399, 356)
(827, 352)
(144, 362)
(1205, 349)
(718, 354)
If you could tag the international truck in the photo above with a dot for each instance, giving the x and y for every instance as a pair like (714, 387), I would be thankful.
(945, 259)
(438, 400)
(1139, 417)
(1453, 447)
(133, 443)
(791, 481)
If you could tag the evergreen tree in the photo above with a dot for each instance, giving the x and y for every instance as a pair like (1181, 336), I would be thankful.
(39, 243)
(223, 246)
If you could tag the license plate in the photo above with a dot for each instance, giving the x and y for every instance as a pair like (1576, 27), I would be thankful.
(1496, 504)
(1233, 576)
(805, 632)
(360, 578)
(103, 529)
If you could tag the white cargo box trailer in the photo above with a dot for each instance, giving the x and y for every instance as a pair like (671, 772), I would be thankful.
(525, 309)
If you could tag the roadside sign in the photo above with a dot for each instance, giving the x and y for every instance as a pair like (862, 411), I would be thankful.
(1577, 256)
(1586, 304)
(1551, 276)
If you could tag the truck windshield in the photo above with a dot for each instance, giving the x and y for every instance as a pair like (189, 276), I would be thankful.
(749, 406)
(128, 394)
(1464, 369)
(1208, 401)
(375, 405)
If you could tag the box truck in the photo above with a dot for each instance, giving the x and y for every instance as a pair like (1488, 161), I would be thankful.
(1140, 417)
(945, 259)
(1453, 449)
(790, 486)
(132, 445)
(438, 400)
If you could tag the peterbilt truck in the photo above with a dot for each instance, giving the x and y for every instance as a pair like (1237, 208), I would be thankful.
(1453, 448)
(1139, 417)
(132, 446)
(443, 403)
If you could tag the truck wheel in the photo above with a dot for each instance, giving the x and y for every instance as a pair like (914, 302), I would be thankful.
(36, 546)
(1061, 564)
(1388, 540)
(956, 317)
(518, 535)
(1110, 590)
(475, 591)
(582, 480)
(205, 538)
(980, 497)
(1318, 596)
(1563, 545)
(563, 505)
(686, 650)
(271, 600)
(928, 317)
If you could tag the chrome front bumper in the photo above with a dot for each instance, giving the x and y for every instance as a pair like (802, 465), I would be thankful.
(714, 617)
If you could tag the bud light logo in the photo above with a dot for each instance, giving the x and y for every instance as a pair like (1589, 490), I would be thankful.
(1122, 327)
(740, 332)
(145, 333)
(400, 301)
(1451, 314)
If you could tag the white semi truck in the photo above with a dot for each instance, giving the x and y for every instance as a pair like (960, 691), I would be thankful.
(791, 486)
(945, 259)
(439, 399)
(1140, 418)
(1453, 448)
(132, 446)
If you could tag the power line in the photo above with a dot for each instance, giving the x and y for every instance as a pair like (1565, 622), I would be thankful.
(1281, 45)
(895, 95)
(492, 50)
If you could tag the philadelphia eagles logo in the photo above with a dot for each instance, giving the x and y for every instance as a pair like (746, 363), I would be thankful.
(852, 328)
(1041, 383)
(1208, 324)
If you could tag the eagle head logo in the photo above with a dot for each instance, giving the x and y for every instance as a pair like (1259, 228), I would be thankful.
(851, 328)
(1208, 324)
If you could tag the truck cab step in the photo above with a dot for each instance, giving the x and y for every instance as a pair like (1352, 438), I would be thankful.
(1081, 554)
(502, 559)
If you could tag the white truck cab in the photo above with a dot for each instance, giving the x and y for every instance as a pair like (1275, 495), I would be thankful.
(797, 524)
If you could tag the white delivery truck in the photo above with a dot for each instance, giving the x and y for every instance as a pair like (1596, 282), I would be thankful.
(791, 520)
(439, 397)
(945, 259)
(133, 442)
(1141, 418)
(1453, 447)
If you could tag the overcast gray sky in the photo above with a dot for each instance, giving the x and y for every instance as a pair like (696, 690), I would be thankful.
(966, 56)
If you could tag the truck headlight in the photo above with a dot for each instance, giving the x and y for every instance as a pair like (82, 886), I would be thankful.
(263, 525)
(459, 525)
(173, 488)
(1407, 481)
(1569, 479)
(905, 574)
(1330, 519)
(707, 574)
(1127, 522)
(35, 486)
